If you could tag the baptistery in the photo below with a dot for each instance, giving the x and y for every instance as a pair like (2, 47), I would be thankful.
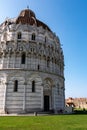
(31, 66)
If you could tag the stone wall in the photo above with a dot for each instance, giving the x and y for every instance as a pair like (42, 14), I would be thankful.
(24, 99)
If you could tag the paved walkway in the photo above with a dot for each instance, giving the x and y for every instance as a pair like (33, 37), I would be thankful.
(27, 114)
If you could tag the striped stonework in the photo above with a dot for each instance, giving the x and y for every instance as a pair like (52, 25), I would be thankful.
(31, 66)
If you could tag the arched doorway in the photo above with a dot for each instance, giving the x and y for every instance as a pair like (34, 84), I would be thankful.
(47, 91)
(46, 103)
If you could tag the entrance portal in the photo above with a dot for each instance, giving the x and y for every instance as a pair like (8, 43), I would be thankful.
(46, 103)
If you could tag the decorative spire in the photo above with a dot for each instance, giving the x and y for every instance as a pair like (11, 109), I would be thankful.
(27, 6)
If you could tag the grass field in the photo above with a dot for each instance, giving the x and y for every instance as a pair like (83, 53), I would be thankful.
(55, 122)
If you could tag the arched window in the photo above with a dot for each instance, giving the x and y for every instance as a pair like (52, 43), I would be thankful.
(38, 67)
(33, 37)
(19, 35)
(45, 39)
(48, 62)
(23, 58)
(33, 86)
(52, 60)
(15, 85)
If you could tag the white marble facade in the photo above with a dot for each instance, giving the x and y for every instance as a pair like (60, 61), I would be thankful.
(31, 66)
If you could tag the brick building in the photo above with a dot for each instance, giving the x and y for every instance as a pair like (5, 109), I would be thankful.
(77, 102)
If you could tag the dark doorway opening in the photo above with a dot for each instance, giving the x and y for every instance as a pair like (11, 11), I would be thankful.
(46, 103)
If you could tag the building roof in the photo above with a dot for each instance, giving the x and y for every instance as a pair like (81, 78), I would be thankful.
(27, 16)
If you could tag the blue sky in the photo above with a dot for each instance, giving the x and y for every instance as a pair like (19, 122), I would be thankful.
(68, 19)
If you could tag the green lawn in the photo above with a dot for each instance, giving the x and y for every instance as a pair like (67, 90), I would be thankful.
(55, 122)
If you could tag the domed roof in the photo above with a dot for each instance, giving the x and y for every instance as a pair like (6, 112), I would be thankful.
(27, 16)
(27, 12)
